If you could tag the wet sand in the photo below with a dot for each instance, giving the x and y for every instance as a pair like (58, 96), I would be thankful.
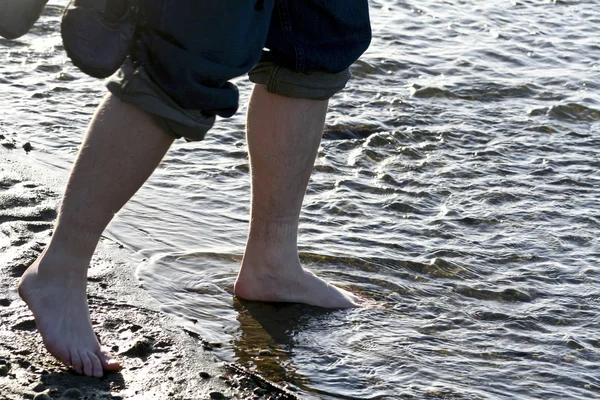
(159, 360)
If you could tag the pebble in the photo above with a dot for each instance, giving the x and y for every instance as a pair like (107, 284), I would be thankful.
(73, 393)
(39, 387)
(265, 353)
(42, 396)
(27, 147)
(216, 395)
(141, 348)
(4, 302)
(4, 370)
(204, 375)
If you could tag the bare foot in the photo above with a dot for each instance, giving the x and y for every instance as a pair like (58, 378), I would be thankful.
(295, 285)
(58, 302)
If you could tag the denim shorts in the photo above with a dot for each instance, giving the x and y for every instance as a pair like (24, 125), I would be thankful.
(188, 51)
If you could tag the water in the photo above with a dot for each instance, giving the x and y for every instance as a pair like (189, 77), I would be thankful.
(457, 186)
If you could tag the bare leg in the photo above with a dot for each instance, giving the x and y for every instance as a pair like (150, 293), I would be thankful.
(122, 148)
(283, 138)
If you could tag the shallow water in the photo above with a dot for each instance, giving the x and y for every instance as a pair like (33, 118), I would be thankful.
(457, 186)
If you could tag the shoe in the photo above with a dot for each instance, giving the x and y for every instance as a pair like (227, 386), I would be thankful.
(98, 34)
(18, 16)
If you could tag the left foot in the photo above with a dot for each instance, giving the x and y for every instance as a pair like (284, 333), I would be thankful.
(57, 298)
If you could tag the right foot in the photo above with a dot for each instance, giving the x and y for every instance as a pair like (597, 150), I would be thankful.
(291, 286)
(58, 302)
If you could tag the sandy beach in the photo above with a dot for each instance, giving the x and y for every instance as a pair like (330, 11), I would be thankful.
(159, 359)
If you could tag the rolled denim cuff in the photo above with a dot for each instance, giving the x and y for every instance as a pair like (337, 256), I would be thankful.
(133, 85)
(285, 82)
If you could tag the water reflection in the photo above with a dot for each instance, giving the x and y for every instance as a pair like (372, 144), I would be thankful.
(268, 334)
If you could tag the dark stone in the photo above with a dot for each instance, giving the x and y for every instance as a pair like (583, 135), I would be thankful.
(4, 302)
(204, 375)
(217, 395)
(73, 393)
(162, 344)
(27, 147)
(40, 387)
(259, 391)
(141, 348)
(4, 370)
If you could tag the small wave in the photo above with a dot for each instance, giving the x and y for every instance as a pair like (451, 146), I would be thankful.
(508, 294)
(476, 91)
(571, 112)
(355, 131)
(429, 92)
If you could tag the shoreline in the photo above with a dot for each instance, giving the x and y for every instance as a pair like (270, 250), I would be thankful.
(160, 359)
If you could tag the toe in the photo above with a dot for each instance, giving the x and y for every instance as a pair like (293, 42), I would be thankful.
(108, 363)
(76, 361)
(97, 366)
(88, 366)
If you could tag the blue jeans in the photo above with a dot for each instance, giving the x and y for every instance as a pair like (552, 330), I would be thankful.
(188, 51)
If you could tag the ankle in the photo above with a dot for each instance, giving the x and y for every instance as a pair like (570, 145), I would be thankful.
(268, 259)
(272, 238)
(74, 239)
(274, 268)
(56, 263)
